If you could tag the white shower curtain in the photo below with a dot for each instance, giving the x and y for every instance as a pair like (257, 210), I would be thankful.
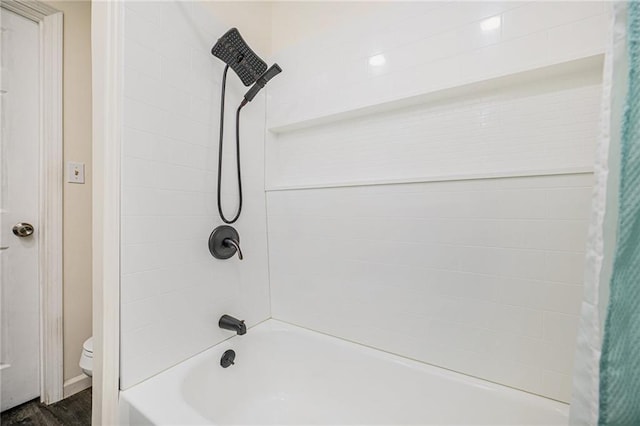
(602, 231)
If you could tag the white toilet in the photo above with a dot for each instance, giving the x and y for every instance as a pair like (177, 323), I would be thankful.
(86, 359)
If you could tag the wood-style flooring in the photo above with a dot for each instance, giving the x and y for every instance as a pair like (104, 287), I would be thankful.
(73, 411)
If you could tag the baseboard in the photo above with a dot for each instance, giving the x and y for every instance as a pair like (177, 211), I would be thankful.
(76, 384)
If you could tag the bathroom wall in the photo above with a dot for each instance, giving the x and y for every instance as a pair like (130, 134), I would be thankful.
(429, 181)
(172, 290)
(427, 46)
(478, 276)
(77, 315)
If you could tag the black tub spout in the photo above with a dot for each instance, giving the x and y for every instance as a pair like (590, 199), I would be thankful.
(230, 323)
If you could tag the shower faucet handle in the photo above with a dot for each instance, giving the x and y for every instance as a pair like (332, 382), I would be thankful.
(231, 242)
(224, 242)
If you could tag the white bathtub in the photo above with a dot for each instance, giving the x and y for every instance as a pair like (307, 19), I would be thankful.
(286, 375)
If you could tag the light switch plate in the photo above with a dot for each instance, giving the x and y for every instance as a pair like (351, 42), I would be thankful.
(75, 172)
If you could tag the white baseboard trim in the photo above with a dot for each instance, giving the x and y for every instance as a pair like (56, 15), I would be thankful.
(76, 384)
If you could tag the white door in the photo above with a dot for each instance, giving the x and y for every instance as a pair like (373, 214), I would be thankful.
(19, 165)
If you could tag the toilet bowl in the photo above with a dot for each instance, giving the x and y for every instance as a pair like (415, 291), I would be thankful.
(86, 359)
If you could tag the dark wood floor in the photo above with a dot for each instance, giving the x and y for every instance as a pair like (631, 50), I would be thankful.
(73, 411)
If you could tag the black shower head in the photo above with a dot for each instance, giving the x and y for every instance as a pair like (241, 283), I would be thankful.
(233, 50)
(261, 82)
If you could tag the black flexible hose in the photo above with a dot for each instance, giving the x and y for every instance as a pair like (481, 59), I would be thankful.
(224, 84)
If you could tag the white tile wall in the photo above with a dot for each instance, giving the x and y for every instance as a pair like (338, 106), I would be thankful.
(172, 290)
(481, 276)
(427, 48)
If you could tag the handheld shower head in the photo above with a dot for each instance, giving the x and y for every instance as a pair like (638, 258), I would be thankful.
(261, 82)
(237, 55)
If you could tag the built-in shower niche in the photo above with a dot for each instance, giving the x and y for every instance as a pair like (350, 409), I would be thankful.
(540, 121)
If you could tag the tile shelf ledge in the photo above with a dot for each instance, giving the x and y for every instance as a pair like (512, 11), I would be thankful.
(593, 62)
(436, 178)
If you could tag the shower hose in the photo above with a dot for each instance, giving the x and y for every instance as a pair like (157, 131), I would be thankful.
(220, 144)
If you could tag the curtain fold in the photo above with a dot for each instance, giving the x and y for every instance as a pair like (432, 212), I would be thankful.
(620, 360)
(584, 408)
